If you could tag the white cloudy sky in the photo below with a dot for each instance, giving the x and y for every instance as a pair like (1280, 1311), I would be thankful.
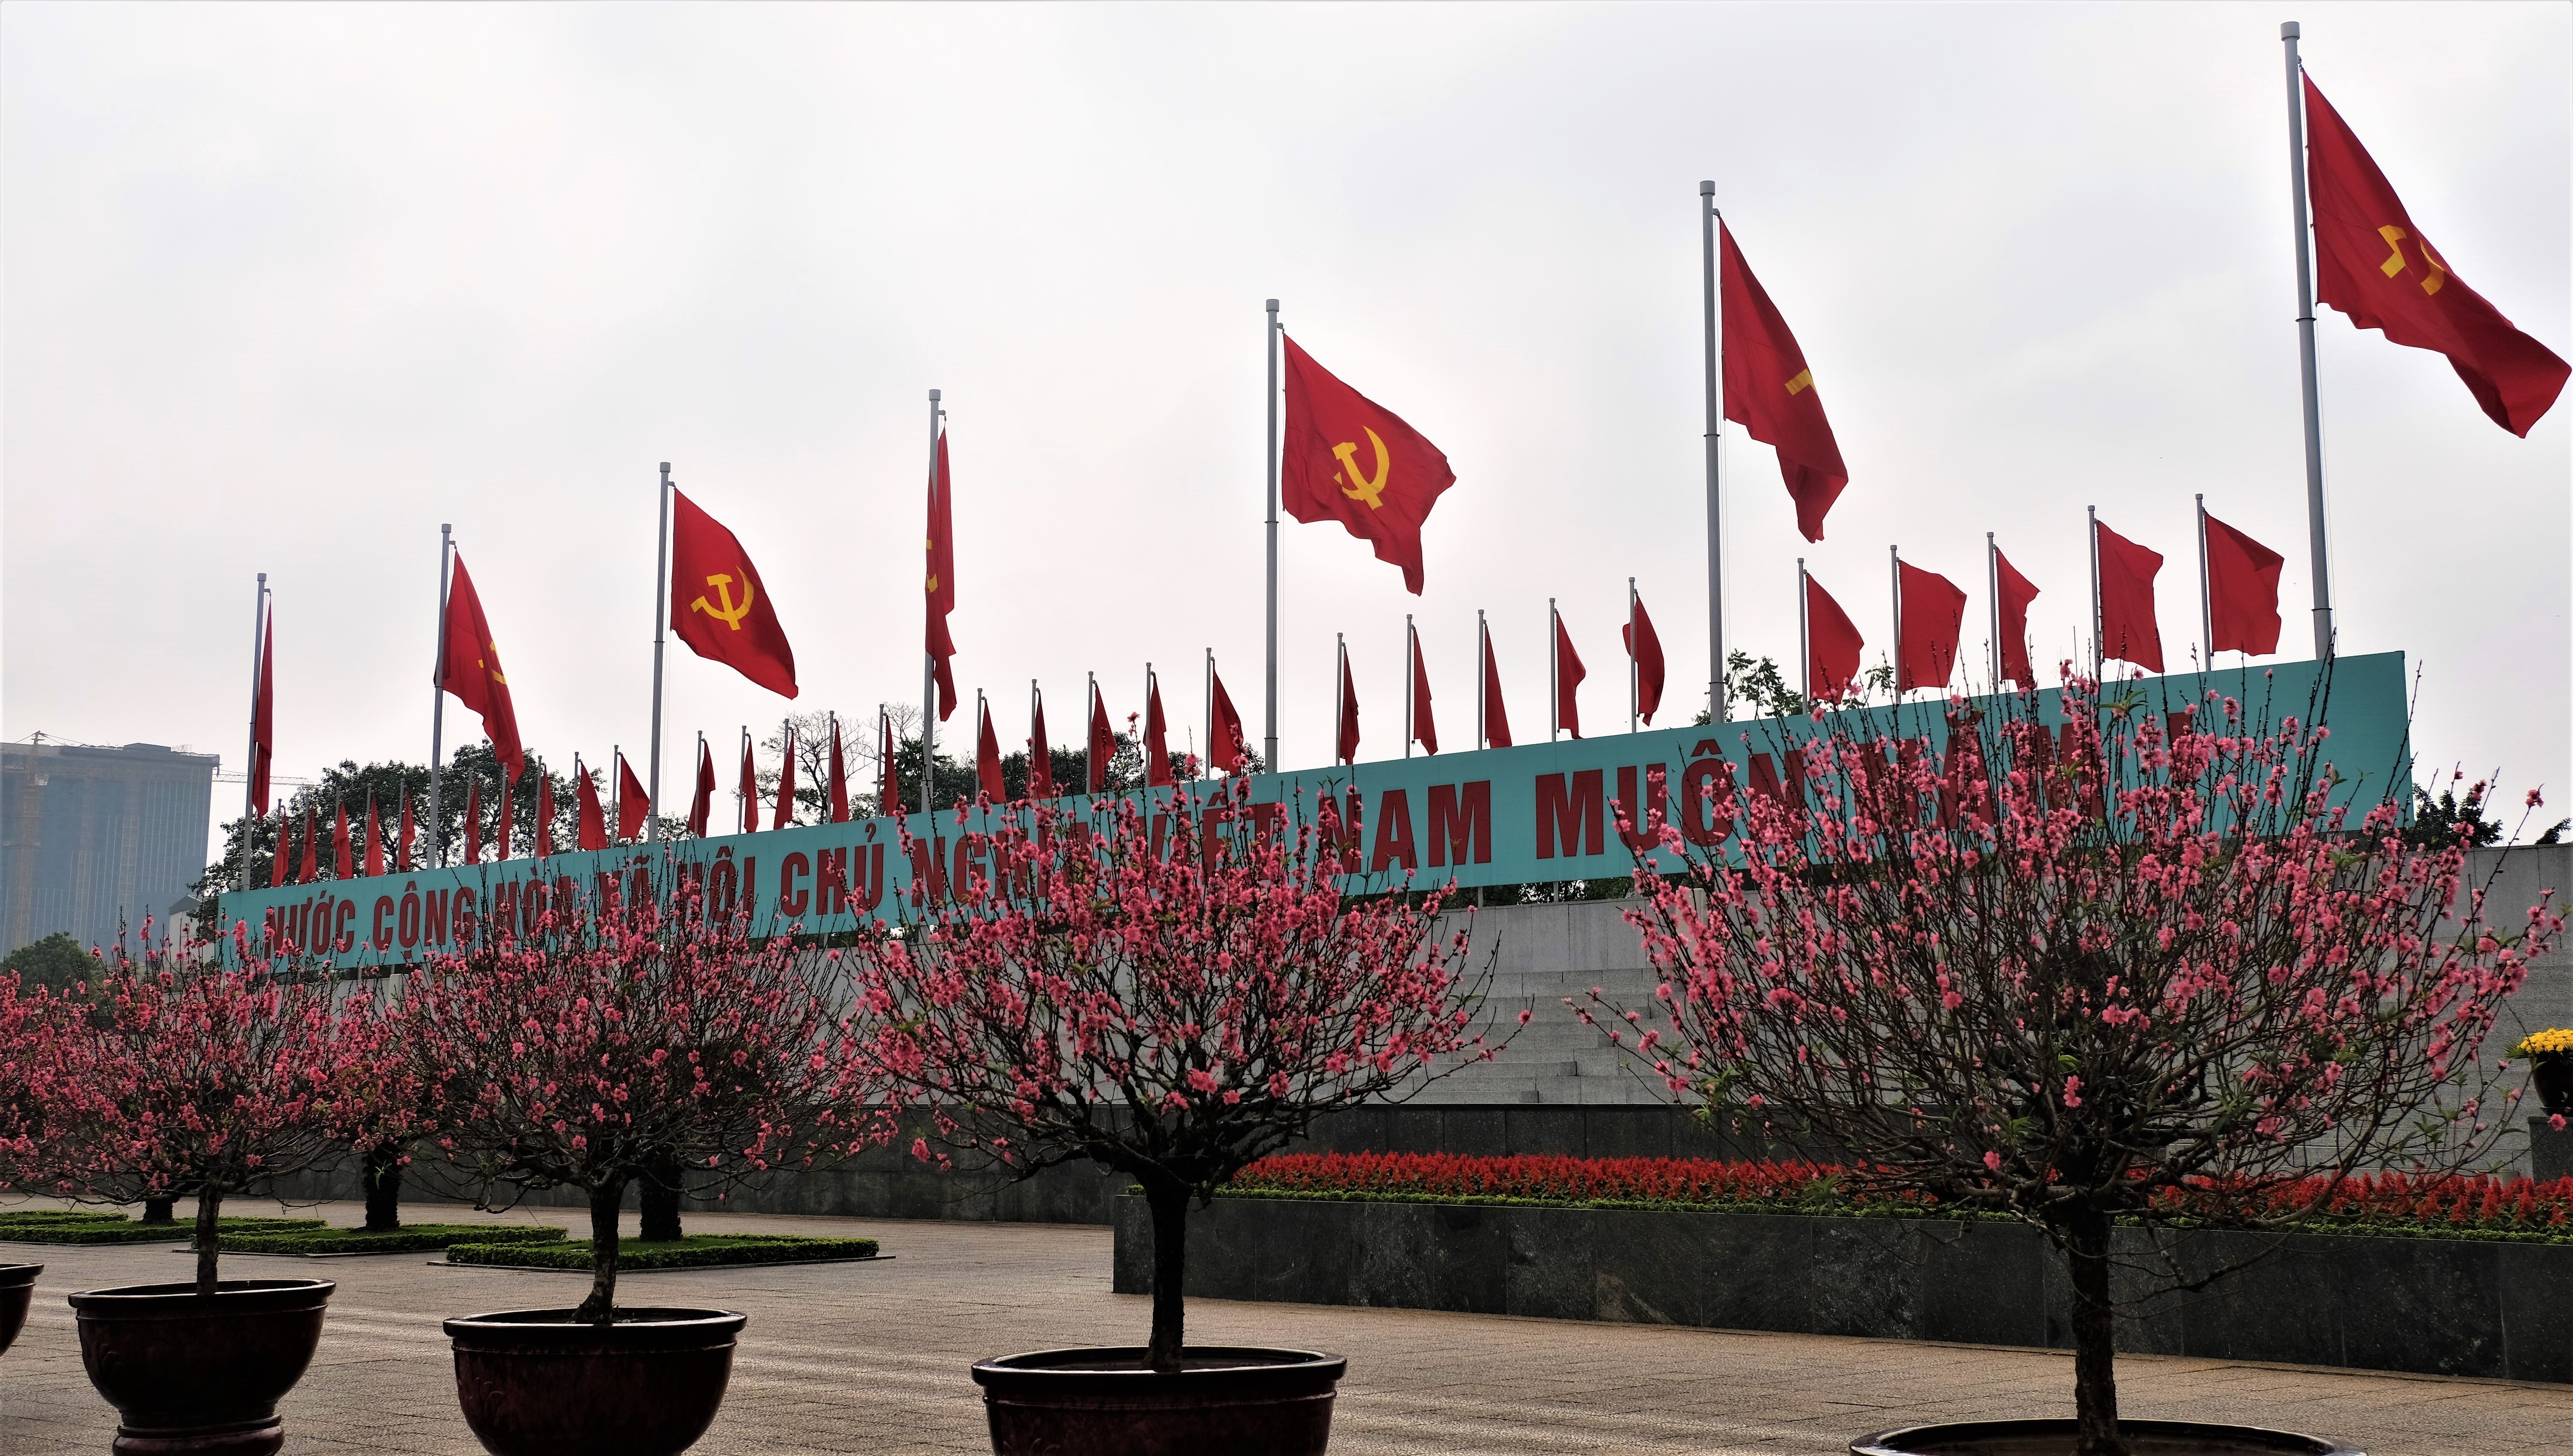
(289, 286)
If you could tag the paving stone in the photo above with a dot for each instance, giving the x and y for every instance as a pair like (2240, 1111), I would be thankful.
(871, 1359)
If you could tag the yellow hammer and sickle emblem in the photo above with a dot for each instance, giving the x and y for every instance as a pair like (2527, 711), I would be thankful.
(1804, 381)
(1356, 486)
(727, 613)
(492, 649)
(2393, 263)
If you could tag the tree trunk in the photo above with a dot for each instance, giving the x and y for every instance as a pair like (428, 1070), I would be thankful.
(607, 1201)
(383, 1188)
(661, 1203)
(2095, 1329)
(160, 1210)
(1170, 1205)
(210, 1203)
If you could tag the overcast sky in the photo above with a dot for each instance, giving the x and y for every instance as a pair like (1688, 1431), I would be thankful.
(288, 285)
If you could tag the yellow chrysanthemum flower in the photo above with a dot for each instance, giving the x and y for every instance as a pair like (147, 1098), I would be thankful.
(2557, 1040)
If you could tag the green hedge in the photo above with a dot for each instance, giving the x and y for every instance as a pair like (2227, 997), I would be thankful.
(409, 1238)
(695, 1252)
(20, 1218)
(118, 1229)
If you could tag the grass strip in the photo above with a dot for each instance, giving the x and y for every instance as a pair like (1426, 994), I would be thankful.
(125, 1230)
(700, 1250)
(409, 1239)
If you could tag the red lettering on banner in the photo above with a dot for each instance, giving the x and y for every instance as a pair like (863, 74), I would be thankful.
(1639, 831)
(1461, 822)
(867, 890)
(462, 909)
(929, 870)
(1393, 833)
(1706, 800)
(1569, 819)
(830, 881)
(791, 897)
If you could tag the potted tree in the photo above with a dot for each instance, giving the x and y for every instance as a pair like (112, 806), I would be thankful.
(23, 1023)
(2141, 973)
(214, 1079)
(1173, 1016)
(617, 1040)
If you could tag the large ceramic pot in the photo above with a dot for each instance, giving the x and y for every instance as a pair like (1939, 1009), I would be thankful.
(1105, 1402)
(194, 1375)
(2055, 1438)
(16, 1290)
(538, 1382)
(2553, 1076)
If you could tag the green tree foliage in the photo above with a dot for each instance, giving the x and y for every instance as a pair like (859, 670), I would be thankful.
(57, 961)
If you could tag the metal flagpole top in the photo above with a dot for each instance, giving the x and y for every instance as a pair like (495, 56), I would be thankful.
(933, 396)
(1706, 188)
(2290, 29)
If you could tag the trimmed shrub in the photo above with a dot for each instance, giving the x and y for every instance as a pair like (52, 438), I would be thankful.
(695, 1252)
(407, 1239)
(120, 1229)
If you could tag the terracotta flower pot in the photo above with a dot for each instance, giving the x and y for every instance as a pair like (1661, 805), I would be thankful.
(2055, 1438)
(16, 1290)
(1103, 1402)
(537, 1382)
(199, 1376)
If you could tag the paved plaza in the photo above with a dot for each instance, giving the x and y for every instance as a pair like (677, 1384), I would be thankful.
(872, 1358)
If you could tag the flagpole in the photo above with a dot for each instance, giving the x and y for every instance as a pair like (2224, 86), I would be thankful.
(1210, 711)
(660, 633)
(1090, 748)
(1714, 494)
(437, 704)
(1993, 592)
(250, 762)
(615, 790)
(1410, 678)
(1894, 572)
(2206, 591)
(1482, 677)
(1804, 635)
(2288, 33)
(1554, 672)
(1634, 670)
(741, 797)
(2099, 618)
(1340, 689)
(928, 659)
(1270, 346)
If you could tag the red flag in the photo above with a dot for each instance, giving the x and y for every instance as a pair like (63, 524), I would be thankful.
(374, 840)
(263, 719)
(941, 583)
(839, 785)
(285, 851)
(987, 755)
(1224, 743)
(2126, 629)
(403, 846)
(1424, 728)
(1040, 754)
(701, 808)
(1832, 645)
(1770, 392)
(592, 830)
(1644, 645)
(473, 820)
(1157, 748)
(340, 867)
(634, 806)
(888, 790)
(1348, 741)
(1350, 460)
(501, 830)
(2016, 592)
(1568, 673)
(2242, 592)
(1103, 742)
(720, 606)
(1496, 719)
(1934, 619)
(312, 851)
(544, 812)
(2373, 264)
(749, 788)
(473, 670)
(786, 784)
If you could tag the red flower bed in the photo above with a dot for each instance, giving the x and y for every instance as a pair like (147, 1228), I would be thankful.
(2392, 1203)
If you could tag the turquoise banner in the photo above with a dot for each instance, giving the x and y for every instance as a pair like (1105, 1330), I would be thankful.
(1505, 816)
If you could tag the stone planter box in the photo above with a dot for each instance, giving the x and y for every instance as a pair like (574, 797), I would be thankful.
(2427, 1306)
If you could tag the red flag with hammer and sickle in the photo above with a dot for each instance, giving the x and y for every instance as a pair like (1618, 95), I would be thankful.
(472, 670)
(1769, 391)
(718, 605)
(1350, 460)
(2373, 264)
